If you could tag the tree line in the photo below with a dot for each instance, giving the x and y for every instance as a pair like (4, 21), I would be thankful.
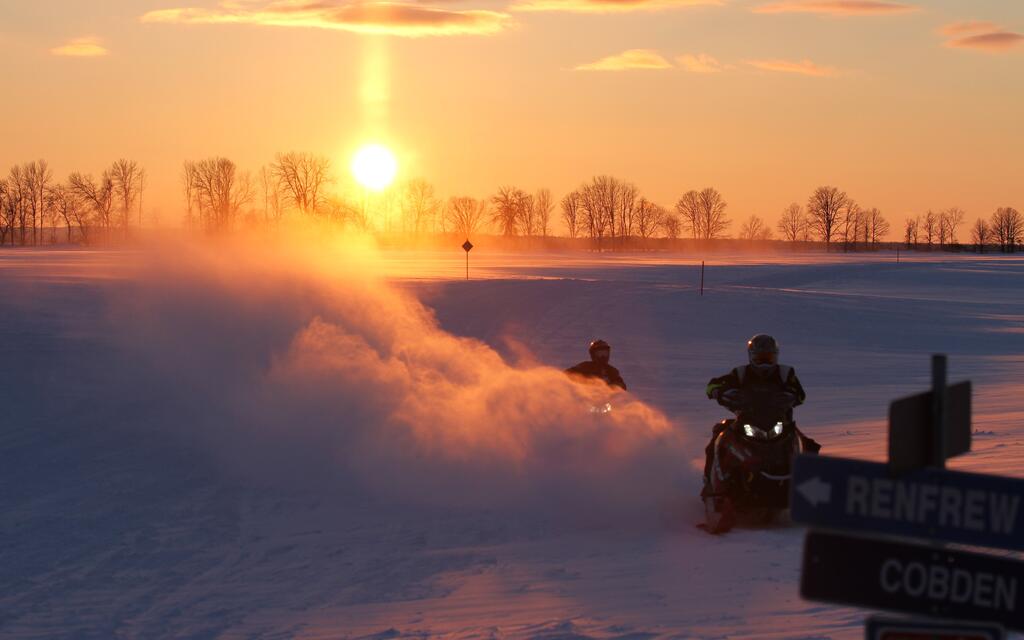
(609, 212)
(33, 203)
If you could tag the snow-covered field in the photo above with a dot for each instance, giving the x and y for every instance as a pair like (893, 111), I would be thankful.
(335, 443)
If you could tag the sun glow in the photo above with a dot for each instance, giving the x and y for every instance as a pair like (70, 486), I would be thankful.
(374, 166)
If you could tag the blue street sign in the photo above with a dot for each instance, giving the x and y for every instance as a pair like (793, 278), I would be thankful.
(881, 628)
(913, 578)
(951, 506)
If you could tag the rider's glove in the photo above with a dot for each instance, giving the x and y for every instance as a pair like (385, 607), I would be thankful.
(785, 398)
(730, 396)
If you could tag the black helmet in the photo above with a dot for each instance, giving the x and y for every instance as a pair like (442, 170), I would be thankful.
(600, 351)
(763, 352)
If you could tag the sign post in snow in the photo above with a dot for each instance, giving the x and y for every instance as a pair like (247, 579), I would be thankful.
(882, 628)
(915, 496)
(466, 246)
(913, 578)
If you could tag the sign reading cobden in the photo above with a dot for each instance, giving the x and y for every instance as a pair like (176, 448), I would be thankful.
(914, 579)
(849, 494)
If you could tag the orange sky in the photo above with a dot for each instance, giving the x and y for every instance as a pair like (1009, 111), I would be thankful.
(906, 106)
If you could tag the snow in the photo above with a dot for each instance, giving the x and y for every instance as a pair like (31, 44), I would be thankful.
(207, 443)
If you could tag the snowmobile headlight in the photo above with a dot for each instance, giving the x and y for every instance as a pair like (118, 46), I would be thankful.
(777, 429)
(601, 408)
(751, 431)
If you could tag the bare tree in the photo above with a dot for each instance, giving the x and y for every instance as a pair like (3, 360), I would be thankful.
(466, 215)
(673, 227)
(980, 234)
(219, 191)
(35, 177)
(626, 195)
(850, 222)
(528, 222)
(542, 207)
(64, 203)
(792, 223)
(876, 225)
(930, 226)
(1007, 227)
(98, 196)
(688, 207)
(949, 221)
(9, 206)
(420, 207)
(823, 212)
(507, 212)
(303, 178)
(755, 229)
(572, 215)
(273, 195)
(600, 199)
(126, 178)
(647, 218)
(704, 213)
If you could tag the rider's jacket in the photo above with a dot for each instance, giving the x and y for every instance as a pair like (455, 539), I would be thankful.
(783, 378)
(591, 369)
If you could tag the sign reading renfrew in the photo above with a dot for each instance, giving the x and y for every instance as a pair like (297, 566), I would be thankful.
(970, 508)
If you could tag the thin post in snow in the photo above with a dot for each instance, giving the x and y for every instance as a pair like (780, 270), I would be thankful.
(702, 277)
(938, 440)
(897, 255)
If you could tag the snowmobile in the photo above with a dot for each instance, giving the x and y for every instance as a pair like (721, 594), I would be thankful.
(748, 479)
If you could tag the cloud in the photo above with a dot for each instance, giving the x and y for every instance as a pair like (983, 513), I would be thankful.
(631, 59)
(607, 6)
(804, 67)
(968, 26)
(980, 35)
(994, 42)
(701, 63)
(382, 18)
(837, 7)
(89, 47)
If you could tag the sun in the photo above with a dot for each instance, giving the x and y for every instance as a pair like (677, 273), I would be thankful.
(374, 166)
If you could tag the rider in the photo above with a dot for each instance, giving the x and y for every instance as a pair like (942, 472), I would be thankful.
(763, 373)
(598, 367)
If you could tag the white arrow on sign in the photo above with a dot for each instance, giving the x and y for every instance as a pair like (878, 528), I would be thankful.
(815, 491)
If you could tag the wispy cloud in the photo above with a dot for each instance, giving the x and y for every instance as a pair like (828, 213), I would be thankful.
(628, 60)
(89, 47)
(607, 6)
(981, 35)
(701, 63)
(968, 26)
(837, 7)
(803, 67)
(386, 18)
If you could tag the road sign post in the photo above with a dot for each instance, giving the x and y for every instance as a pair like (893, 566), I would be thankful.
(915, 496)
(466, 246)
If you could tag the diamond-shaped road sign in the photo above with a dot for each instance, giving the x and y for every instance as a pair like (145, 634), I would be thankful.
(467, 245)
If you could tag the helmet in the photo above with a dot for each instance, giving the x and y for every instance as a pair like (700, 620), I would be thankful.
(763, 352)
(600, 351)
